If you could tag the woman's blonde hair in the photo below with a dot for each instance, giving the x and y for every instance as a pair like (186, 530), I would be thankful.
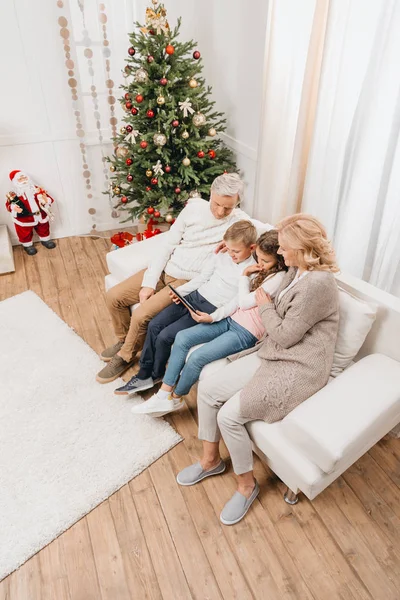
(305, 235)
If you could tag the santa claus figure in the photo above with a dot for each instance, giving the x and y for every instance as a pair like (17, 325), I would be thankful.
(29, 206)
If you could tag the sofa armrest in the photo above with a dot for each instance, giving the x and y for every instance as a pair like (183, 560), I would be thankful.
(124, 262)
(349, 415)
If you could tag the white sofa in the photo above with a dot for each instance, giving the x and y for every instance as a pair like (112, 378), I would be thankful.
(326, 434)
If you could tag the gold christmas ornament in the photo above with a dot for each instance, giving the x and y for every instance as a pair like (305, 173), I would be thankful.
(199, 119)
(193, 83)
(112, 168)
(159, 139)
(117, 191)
(149, 173)
(212, 132)
(185, 135)
(186, 161)
(122, 152)
(122, 130)
(169, 218)
(160, 100)
(141, 75)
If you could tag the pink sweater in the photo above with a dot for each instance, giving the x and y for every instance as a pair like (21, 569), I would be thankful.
(243, 309)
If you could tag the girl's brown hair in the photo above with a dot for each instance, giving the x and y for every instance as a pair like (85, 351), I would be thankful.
(268, 244)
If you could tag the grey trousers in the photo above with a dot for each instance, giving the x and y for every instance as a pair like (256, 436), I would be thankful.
(218, 402)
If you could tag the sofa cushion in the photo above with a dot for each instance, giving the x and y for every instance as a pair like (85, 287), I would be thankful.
(124, 262)
(349, 415)
(355, 320)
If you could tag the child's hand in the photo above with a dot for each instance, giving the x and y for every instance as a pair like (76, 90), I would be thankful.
(252, 269)
(221, 248)
(201, 317)
(262, 297)
(174, 297)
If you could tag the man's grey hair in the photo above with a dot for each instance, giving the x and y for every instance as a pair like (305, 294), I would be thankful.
(228, 184)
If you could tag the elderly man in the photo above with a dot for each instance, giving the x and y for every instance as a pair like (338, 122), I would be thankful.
(191, 240)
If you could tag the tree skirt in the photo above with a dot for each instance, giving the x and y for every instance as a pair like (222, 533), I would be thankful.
(66, 442)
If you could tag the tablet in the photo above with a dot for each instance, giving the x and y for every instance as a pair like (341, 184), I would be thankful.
(182, 299)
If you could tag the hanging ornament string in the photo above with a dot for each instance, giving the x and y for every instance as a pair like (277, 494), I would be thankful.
(186, 107)
(76, 103)
(157, 168)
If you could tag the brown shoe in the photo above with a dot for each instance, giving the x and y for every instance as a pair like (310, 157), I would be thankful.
(114, 369)
(108, 353)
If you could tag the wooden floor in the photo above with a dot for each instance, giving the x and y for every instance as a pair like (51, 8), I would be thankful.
(154, 539)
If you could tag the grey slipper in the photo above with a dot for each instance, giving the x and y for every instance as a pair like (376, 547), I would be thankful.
(237, 507)
(195, 473)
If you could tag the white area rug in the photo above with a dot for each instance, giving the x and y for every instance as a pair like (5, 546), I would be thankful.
(66, 442)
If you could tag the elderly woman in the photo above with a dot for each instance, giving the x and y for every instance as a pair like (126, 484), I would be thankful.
(294, 361)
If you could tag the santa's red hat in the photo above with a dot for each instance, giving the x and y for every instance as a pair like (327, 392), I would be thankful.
(13, 173)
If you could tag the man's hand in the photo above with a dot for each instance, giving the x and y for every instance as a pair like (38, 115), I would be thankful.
(252, 269)
(145, 293)
(221, 248)
(262, 297)
(200, 317)
(174, 297)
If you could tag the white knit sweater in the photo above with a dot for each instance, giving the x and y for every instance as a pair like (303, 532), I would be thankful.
(219, 279)
(191, 240)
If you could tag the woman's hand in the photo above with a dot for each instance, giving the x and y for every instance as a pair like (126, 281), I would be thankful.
(262, 297)
(174, 297)
(201, 317)
(252, 269)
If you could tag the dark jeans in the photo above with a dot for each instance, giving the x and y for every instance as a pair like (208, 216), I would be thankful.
(161, 333)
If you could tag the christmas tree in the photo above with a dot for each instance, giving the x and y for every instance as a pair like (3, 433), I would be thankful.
(168, 149)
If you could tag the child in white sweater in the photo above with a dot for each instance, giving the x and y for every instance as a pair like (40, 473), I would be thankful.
(232, 328)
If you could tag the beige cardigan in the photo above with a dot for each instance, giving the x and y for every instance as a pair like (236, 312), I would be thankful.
(297, 351)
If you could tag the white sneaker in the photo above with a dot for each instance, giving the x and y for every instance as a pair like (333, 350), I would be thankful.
(158, 407)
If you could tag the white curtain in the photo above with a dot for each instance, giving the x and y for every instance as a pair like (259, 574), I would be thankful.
(349, 150)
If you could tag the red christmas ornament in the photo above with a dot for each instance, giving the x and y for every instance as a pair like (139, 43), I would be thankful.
(128, 105)
(129, 161)
(152, 32)
(134, 110)
(129, 177)
(168, 169)
(211, 153)
(175, 123)
(154, 181)
(132, 51)
(150, 113)
(127, 69)
(150, 59)
(129, 128)
(163, 81)
(148, 188)
(139, 98)
(196, 54)
(124, 199)
(150, 210)
(127, 96)
(169, 49)
(200, 154)
(177, 190)
(157, 214)
(143, 144)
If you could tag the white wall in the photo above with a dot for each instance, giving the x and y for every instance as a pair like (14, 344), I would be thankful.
(37, 117)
